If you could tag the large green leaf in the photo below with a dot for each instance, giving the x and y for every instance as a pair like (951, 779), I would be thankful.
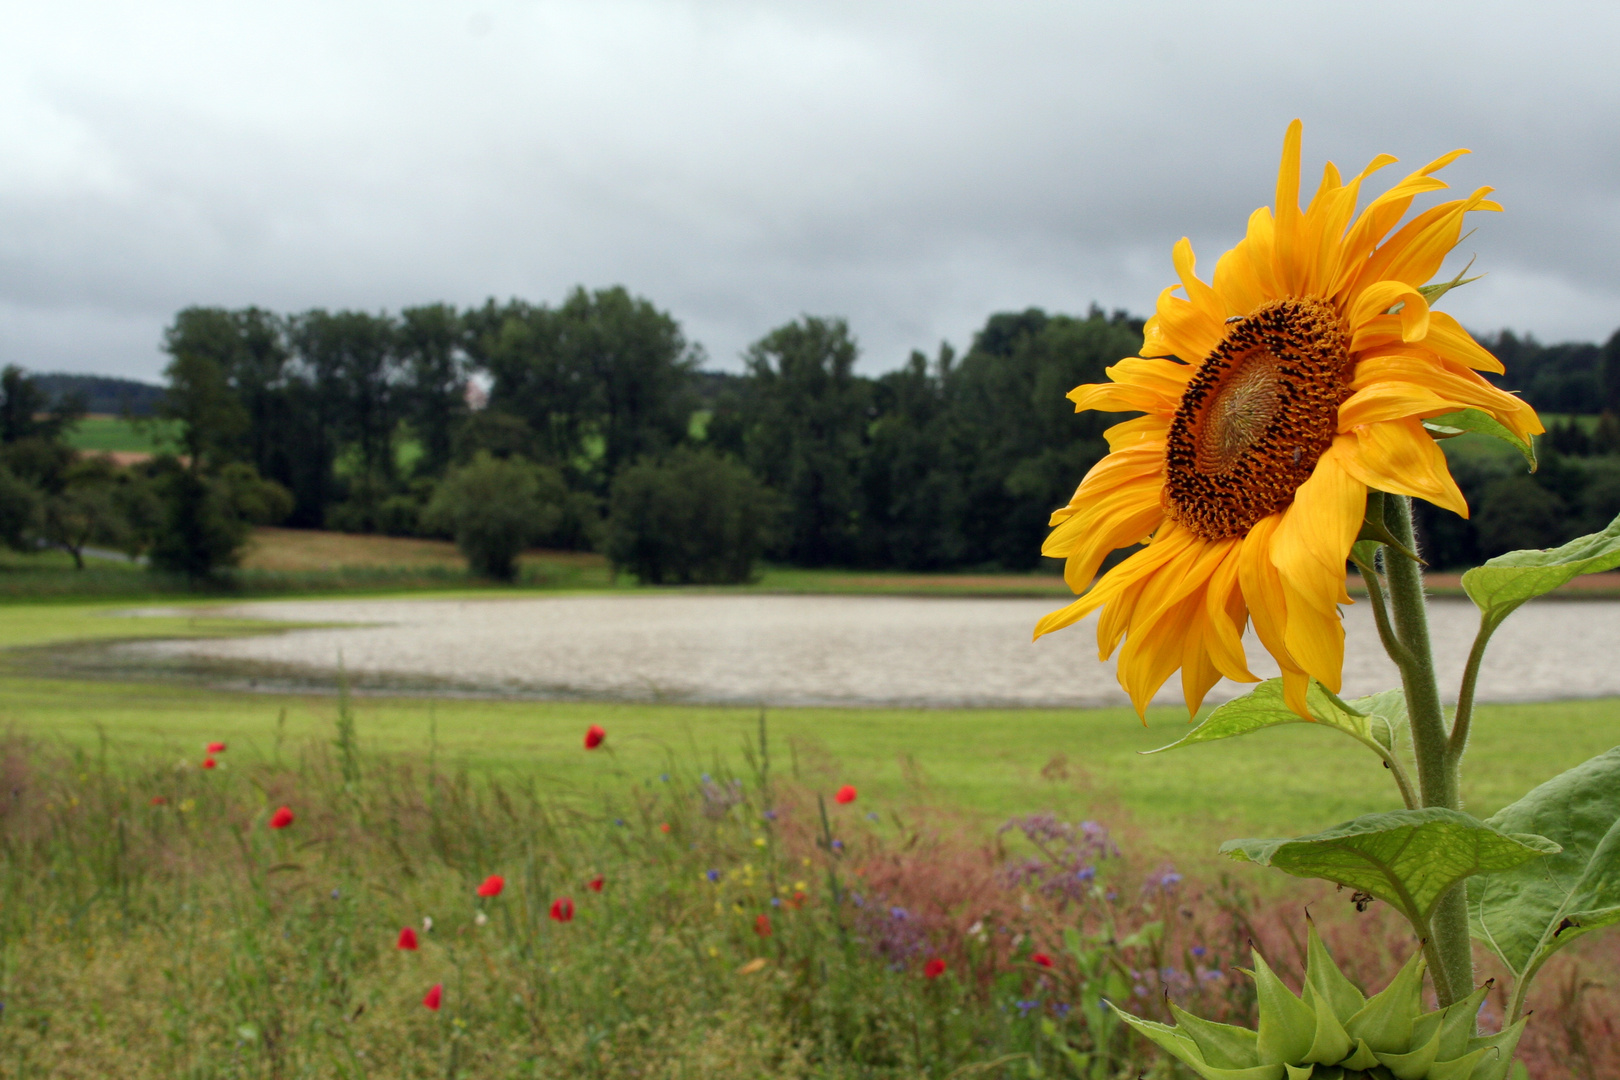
(1369, 720)
(1408, 858)
(1507, 581)
(1452, 424)
(1526, 914)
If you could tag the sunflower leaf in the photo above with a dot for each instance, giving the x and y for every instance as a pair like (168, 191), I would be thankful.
(1526, 914)
(1407, 858)
(1368, 720)
(1505, 582)
(1457, 423)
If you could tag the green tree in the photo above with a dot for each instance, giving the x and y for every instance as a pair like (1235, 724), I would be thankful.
(496, 509)
(600, 381)
(210, 415)
(86, 510)
(804, 427)
(1018, 446)
(26, 411)
(693, 518)
(434, 387)
(1517, 512)
(208, 519)
(19, 511)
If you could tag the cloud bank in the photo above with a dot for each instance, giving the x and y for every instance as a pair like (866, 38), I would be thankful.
(912, 166)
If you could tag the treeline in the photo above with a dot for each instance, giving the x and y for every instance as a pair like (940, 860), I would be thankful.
(588, 424)
(593, 417)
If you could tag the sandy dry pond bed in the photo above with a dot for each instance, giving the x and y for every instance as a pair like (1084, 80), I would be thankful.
(804, 650)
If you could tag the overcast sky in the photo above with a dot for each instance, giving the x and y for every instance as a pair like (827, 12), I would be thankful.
(912, 166)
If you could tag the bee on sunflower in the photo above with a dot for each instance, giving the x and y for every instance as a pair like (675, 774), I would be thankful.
(1273, 400)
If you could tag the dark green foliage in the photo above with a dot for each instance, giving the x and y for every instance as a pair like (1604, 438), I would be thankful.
(27, 412)
(19, 511)
(1025, 448)
(434, 395)
(600, 381)
(1517, 512)
(805, 423)
(495, 508)
(695, 518)
(206, 519)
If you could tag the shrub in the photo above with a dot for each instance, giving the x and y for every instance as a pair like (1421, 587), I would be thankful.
(207, 519)
(694, 518)
(496, 508)
(19, 510)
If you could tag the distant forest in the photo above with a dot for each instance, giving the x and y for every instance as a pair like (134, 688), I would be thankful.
(951, 461)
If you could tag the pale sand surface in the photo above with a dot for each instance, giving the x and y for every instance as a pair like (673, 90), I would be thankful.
(834, 650)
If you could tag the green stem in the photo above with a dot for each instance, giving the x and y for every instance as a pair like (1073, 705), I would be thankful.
(1437, 772)
(1465, 695)
(1380, 609)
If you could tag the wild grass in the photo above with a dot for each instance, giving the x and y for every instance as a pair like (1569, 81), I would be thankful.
(990, 762)
(153, 925)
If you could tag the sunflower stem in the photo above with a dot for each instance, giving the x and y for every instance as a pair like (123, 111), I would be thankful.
(1437, 769)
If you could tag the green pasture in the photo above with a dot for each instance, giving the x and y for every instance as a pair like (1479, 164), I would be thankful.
(117, 433)
(992, 762)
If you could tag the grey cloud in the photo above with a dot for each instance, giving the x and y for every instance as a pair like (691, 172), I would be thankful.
(912, 166)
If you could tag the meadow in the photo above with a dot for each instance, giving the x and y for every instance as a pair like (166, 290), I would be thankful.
(718, 912)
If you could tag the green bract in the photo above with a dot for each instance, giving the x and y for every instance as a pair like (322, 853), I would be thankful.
(1334, 1032)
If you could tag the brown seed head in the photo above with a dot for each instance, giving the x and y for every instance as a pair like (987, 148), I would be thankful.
(1261, 409)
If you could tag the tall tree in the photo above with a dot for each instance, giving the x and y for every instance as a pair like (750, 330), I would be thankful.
(434, 380)
(805, 421)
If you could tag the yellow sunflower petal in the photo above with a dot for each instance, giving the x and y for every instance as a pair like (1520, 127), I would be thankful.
(1393, 401)
(1290, 274)
(1376, 300)
(1400, 457)
(1224, 618)
(1309, 551)
(1241, 281)
(1137, 385)
(1447, 337)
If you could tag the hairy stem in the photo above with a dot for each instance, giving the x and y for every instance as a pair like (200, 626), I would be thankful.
(1380, 609)
(1458, 741)
(1437, 772)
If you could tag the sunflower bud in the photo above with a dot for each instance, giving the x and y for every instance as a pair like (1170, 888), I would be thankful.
(1334, 1032)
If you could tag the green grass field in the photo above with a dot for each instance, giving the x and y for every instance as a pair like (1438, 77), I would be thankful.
(116, 433)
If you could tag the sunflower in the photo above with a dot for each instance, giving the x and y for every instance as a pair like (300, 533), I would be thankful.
(1272, 400)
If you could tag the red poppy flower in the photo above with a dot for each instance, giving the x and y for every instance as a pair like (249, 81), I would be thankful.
(158, 800)
(407, 940)
(492, 885)
(1042, 959)
(846, 794)
(664, 827)
(434, 997)
(562, 909)
(595, 884)
(594, 736)
(796, 901)
(934, 968)
(216, 748)
(762, 926)
(281, 818)
(208, 763)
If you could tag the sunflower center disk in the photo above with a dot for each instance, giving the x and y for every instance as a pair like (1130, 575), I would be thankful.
(1260, 410)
